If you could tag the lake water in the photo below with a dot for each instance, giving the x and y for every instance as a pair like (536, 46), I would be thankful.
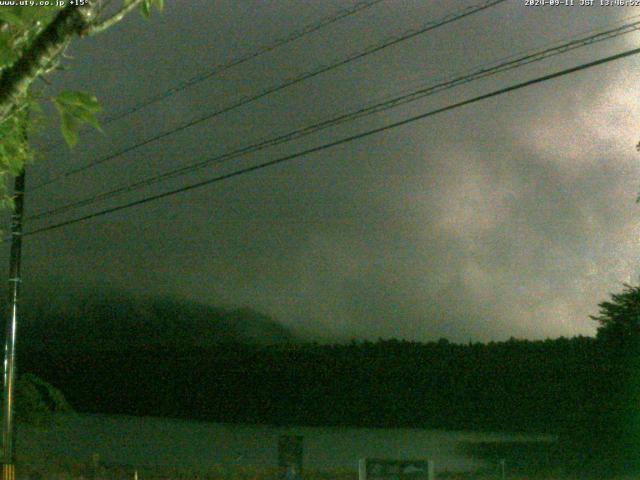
(145, 441)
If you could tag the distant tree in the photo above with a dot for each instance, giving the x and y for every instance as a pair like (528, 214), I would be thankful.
(619, 319)
(613, 430)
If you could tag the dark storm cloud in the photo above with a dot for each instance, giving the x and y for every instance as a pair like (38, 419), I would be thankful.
(511, 217)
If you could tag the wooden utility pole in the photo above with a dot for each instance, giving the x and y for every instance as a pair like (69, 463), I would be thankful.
(8, 427)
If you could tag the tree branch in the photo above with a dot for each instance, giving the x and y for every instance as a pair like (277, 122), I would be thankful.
(46, 47)
(115, 18)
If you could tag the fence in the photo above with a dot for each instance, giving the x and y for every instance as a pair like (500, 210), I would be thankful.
(368, 469)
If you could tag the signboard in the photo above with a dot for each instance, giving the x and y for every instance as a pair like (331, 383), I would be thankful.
(379, 469)
(290, 450)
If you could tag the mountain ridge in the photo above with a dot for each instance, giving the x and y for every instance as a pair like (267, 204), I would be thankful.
(76, 319)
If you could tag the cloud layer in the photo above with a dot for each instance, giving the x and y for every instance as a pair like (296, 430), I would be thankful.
(513, 217)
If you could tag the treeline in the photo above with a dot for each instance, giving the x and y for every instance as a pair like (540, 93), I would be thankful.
(513, 386)
(576, 388)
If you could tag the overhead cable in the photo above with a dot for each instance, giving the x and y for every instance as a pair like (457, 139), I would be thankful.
(335, 143)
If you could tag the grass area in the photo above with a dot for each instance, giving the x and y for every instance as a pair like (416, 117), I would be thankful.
(250, 474)
(86, 471)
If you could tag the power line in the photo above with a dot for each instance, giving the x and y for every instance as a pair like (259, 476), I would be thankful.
(482, 72)
(452, 17)
(217, 69)
(341, 141)
(220, 68)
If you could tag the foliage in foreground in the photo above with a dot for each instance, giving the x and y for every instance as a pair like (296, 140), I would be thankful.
(37, 401)
(33, 40)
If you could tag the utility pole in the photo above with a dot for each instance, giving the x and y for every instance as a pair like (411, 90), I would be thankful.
(8, 427)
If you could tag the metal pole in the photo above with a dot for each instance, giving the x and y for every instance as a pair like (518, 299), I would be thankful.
(431, 470)
(362, 469)
(8, 428)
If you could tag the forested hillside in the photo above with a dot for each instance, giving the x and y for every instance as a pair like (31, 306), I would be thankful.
(584, 389)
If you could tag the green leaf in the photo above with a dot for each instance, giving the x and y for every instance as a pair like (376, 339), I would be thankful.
(70, 126)
(145, 8)
(22, 17)
(83, 100)
(14, 150)
(15, 165)
(8, 54)
(13, 16)
(76, 108)
(7, 202)
(159, 4)
(84, 116)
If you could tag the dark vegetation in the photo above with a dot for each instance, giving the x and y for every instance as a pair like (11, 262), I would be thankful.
(161, 360)
(71, 320)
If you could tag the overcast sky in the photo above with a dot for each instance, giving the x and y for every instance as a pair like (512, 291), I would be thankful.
(515, 216)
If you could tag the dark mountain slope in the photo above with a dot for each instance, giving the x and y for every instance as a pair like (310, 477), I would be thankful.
(82, 320)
